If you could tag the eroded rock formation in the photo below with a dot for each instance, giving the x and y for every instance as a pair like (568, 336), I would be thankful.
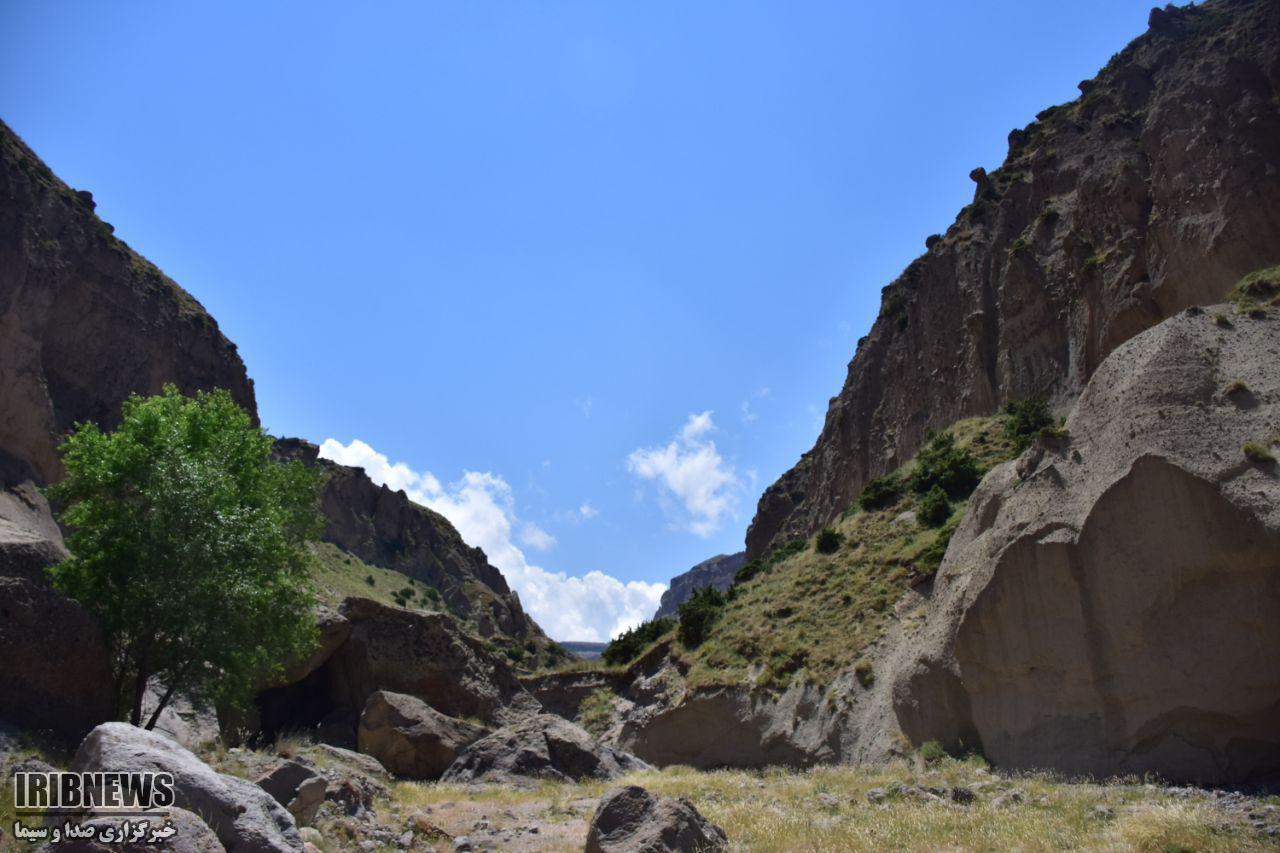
(1112, 604)
(1154, 191)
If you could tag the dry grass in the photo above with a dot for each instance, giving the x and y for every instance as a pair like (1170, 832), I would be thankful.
(827, 809)
(813, 614)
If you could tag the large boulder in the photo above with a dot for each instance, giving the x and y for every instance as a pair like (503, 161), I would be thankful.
(298, 788)
(542, 746)
(410, 738)
(1111, 602)
(427, 655)
(245, 818)
(632, 820)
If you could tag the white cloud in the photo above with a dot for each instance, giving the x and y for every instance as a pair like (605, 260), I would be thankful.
(749, 414)
(535, 537)
(587, 511)
(691, 470)
(591, 607)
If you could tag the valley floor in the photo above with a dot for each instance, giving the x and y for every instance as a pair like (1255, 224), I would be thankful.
(950, 805)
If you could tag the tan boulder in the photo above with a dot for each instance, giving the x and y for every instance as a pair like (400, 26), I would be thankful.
(410, 738)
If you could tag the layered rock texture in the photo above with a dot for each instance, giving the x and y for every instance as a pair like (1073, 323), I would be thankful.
(540, 746)
(1112, 604)
(1156, 190)
(718, 572)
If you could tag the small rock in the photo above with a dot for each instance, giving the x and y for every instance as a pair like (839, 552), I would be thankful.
(1103, 813)
(877, 795)
(405, 839)
(631, 818)
(1008, 799)
(961, 795)
(461, 843)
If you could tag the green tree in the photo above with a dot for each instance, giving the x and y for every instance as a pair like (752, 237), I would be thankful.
(934, 508)
(698, 614)
(941, 463)
(188, 546)
(1024, 419)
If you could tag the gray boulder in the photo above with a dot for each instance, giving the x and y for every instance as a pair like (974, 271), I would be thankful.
(298, 788)
(245, 818)
(632, 820)
(542, 746)
(410, 738)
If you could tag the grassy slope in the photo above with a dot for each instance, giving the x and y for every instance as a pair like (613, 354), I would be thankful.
(814, 614)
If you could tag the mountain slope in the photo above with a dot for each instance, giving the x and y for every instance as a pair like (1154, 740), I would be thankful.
(1155, 190)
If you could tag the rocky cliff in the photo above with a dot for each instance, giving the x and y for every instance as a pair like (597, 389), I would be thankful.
(717, 571)
(85, 321)
(1155, 190)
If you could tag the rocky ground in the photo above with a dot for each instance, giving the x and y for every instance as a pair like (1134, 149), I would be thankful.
(908, 805)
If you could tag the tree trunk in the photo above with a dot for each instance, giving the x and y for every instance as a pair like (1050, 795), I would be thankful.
(160, 706)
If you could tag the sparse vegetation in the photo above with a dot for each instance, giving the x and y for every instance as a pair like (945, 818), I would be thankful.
(828, 808)
(763, 566)
(1222, 320)
(1236, 386)
(932, 752)
(864, 672)
(1258, 453)
(1253, 293)
(828, 541)
(595, 713)
(809, 616)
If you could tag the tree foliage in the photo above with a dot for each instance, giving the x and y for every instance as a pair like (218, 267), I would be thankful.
(881, 492)
(628, 645)
(698, 614)
(1024, 419)
(934, 508)
(188, 546)
(941, 463)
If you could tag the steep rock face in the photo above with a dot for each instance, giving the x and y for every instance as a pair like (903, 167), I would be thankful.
(385, 528)
(38, 626)
(1156, 190)
(1112, 605)
(717, 572)
(85, 321)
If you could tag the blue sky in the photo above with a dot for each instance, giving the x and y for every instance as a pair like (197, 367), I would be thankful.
(588, 271)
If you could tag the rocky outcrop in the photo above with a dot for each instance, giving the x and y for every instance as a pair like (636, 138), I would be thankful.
(425, 655)
(245, 818)
(54, 671)
(410, 738)
(85, 321)
(717, 572)
(1154, 191)
(1111, 604)
(632, 820)
(542, 746)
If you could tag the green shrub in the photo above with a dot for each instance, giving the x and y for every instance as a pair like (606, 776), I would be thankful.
(595, 712)
(369, 580)
(881, 492)
(698, 615)
(943, 464)
(935, 509)
(932, 752)
(828, 541)
(629, 645)
(1024, 418)
(1257, 289)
